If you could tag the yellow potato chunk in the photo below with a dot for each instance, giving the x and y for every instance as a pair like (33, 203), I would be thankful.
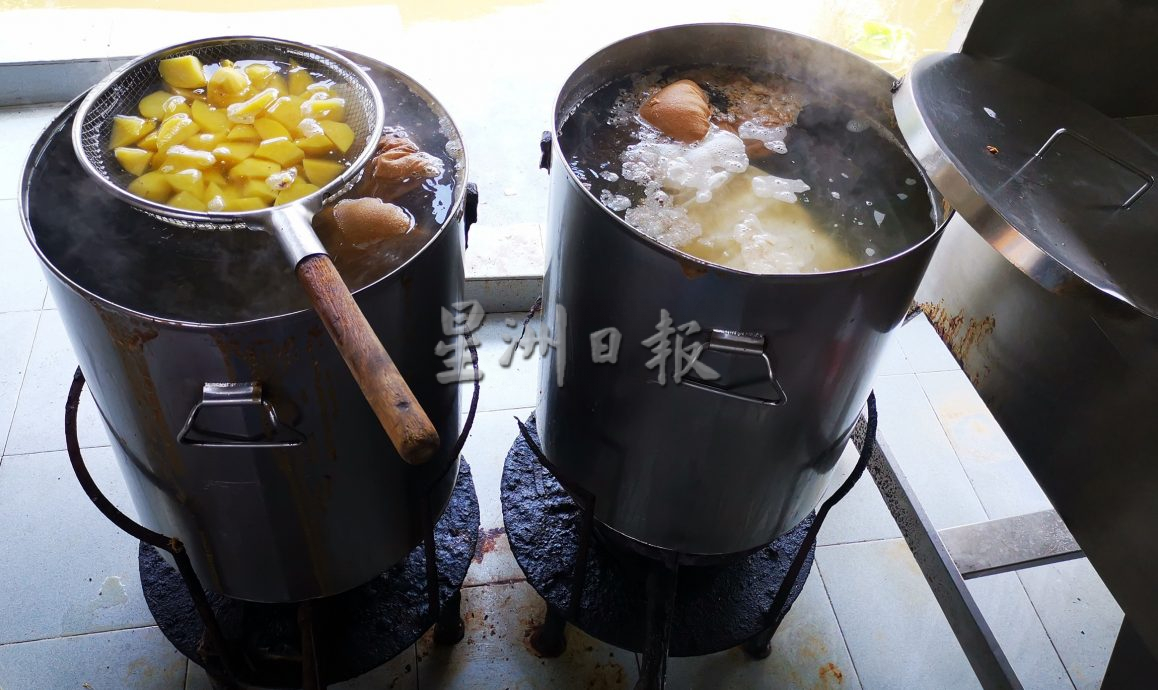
(175, 130)
(233, 152)
(135, 161)
(288, 111)
(247, 111)
(227, 85)
(214, 176)
(187, 201)
(149, 143)
(316, 145)
(245, 203)
(253, 168)
(294, 192)
(211, 190)
(320, 171)
(129, 129)
(150, 106)
(152, 186)
(243, 133)
(259, 75)
(259, 189)
(277, 81)
(208, 118)
(175, 104)
(299, 81)
(339, 133)
(190, 180)
(205, 141)
(185, 72)
(270, 129)
(280, 150)
(181, 157)
(320, 107)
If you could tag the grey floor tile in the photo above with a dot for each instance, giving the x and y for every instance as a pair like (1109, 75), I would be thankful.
(21, 127)
(400, 673)
(1002, 482)
(1080, 615)
(861, 515)
(138, 659)
(491, 436)
(894, 629)
(808, 651)
(513, 386)
(486, 449)
(496, 654)
(22, 283)
(924, 348)
(1010, 614)
(17, 330)
(894, 361)
(910, 429)
(38, 424)
(75, 571)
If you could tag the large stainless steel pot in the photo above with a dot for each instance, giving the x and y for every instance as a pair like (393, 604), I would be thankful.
(236, 423)
(1045, 291)
(684, 468)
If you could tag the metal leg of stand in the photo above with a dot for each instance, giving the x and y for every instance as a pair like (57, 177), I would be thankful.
(311, 674)
(549, 639)
(661, 598)
(449, 629)
(215, 652)
(973, 633)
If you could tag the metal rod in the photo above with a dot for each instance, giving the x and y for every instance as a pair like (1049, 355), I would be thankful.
(549, 639)
(759, 646)
(977, 641)
(433, 595)
(450, 629)
(311, 673)
(214, 637)
(662, 580)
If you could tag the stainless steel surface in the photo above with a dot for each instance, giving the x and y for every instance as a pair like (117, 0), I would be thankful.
(1071, 384)
(281, 523)
(1101, 51)
(684, 469)
(120, 91)
(969, 626)
(989, 137)
(1047, 297)
(292, 226)
(752, 344)
(1008, 544)
(237, 396)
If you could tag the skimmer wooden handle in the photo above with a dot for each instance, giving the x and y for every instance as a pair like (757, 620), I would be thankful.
(401, 416)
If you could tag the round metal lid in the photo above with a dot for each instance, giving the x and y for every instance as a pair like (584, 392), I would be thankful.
(1062, 191)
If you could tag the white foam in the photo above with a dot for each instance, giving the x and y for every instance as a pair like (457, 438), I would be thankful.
(878, 217)
(615, 202)
(694, 169)
(772, 137)
(778, 188)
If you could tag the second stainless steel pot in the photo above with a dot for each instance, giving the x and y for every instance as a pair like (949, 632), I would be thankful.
(692, 469)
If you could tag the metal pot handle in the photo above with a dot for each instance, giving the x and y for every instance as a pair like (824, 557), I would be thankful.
(277, 435)
(739, 343)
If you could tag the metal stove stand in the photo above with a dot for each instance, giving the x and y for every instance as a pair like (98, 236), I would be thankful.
(314, 643)
(658, 603)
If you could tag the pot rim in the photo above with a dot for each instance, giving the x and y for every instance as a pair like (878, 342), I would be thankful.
(591, 63)
(59, 123)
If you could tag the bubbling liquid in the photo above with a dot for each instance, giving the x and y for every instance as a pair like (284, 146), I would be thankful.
(786, 180)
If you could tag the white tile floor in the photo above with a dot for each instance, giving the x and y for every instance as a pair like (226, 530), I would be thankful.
(72, 613)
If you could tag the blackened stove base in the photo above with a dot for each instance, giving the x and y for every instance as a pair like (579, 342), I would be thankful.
(717, 607)
(355, 631)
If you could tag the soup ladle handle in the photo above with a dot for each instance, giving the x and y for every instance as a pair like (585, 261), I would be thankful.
(405, 422)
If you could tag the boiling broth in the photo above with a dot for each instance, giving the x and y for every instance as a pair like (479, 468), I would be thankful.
(787, 180)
